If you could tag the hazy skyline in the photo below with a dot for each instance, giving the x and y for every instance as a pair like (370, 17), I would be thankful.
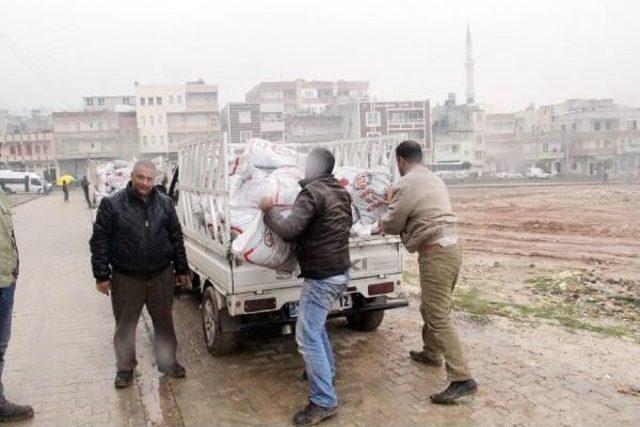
(52, 53)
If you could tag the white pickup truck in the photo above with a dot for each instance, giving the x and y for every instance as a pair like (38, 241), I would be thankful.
(237, 295)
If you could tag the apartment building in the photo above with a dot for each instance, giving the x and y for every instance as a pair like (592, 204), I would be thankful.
(169, 115)
(244, 120)
(83, 135)
(30, 151)
(122, 103)
(458, 136)
(308, 97)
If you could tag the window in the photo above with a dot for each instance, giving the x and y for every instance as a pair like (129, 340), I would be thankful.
(373, 119)
(632, 125)
(478, 139)
(596, 125)
(309, 93)
(171, 99)
(159, 120)
(161, 139)
(90, 125)
(100, 125)
(179, 98)
(244, 117)
(245, 135)
(545, 148)
(37, 149)
(125, 101)
(144, 121)
(479, 155)
(101, 101)
(563, 127)
(574, 126)
(142, 101)
(325, 93)
(608, 125)
(158, 100)
(45, 148)
(151, 121)
(144, 140)
(19, 150)
(150, 100)
(455, 148)
(12, 150)
(153, 139)
(89, 102)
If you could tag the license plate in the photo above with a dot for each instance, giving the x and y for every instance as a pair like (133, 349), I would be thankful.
(345, 301)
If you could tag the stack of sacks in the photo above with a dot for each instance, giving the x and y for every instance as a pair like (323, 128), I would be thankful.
(111, 177)
(265, 169)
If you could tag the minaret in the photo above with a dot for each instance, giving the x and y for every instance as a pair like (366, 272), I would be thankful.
(468, 63)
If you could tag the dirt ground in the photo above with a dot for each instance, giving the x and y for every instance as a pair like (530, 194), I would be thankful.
(565, 255)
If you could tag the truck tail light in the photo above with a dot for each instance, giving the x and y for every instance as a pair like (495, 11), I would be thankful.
(381, 288)
(252, 305)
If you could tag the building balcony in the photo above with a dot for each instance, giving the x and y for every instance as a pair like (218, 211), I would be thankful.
(551, 155)
(629, 150)
(271, 107)
(186, 128)
(272, 126)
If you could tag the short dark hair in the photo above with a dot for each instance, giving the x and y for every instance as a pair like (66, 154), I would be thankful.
(324, 160)
(409, 150)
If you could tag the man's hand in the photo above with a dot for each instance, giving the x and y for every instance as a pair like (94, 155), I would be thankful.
(182, 280)
(388, 197)
(266, 204)
(104, 287)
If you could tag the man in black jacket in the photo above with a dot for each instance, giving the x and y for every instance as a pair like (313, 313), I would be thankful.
(136, 248)
(319, 226)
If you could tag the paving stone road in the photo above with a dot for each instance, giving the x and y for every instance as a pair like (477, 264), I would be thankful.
(61, 361)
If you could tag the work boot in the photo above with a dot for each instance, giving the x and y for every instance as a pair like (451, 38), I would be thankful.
(421, 357)
(455, 390)
(176, 371)
(313, 414)
(124, 379)
(11, 412)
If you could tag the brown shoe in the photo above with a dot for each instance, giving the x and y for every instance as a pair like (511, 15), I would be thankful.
(455, 390)
(420, 357)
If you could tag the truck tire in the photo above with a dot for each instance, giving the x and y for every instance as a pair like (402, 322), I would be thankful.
(366, 321)
(216, 341)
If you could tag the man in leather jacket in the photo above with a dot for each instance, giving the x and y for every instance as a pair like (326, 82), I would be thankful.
(319, 226)
(137, 250)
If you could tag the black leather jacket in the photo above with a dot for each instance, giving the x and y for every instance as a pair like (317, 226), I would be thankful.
(136, 238)
(319, 224)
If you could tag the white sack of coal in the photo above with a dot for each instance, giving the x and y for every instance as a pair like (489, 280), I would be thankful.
(242, 218)
(281, 185)
(261, 246)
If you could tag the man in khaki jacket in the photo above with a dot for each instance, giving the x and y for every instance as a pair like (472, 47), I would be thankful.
(8, 276)
(420, 212)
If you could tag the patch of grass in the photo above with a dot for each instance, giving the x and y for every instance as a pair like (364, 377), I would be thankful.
(565, 314)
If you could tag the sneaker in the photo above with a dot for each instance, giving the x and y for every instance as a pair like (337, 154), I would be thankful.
(313, 414)
(421, 357)
(455, 390)
(11, 412)
(176, 371)
(124, 379)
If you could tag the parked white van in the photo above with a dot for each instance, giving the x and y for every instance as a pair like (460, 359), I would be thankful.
(22, 182)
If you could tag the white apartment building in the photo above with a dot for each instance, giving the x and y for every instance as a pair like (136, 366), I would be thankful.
(119, 103)
(169, 115)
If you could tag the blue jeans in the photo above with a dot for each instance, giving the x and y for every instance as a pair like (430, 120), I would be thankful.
(6, 309)
(316, 299)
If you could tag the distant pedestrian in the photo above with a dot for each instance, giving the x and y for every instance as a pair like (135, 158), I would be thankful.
(137, 249)
(162, 187)
(605, 177)
(65, 191)
(9, 265)
(84, 183)
(420, 212)
(319, 224)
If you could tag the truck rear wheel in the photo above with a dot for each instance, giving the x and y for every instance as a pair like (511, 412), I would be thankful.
(217, 341)
(366, 321)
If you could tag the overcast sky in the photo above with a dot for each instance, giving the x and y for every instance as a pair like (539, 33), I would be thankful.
(543, 51)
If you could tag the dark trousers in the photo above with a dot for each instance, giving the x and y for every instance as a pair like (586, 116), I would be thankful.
(6, 309)
(128, 296)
